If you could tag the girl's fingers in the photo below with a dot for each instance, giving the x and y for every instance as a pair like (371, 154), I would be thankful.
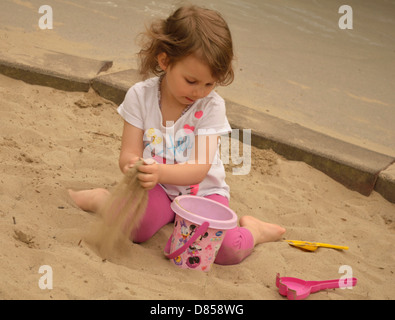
(144, 177)
(147, 184)
(144, 169)
(148, 168)
(147, 180)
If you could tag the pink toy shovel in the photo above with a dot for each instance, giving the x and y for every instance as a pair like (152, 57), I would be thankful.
(298, 289)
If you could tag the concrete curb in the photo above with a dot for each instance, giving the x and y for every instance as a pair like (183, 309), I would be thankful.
(357, 168)
(114, 86)
(385, 184)
(53, 69)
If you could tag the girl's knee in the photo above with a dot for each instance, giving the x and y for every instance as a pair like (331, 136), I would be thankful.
(140, 236)
(237, 245)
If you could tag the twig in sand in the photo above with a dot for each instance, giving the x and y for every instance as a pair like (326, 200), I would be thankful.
(108, 135)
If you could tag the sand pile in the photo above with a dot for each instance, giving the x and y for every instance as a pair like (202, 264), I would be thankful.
(52, 140)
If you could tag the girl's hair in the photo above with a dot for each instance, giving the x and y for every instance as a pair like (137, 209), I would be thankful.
(190, 30)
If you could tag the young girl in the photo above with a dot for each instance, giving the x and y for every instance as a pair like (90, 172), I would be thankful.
(176, 118)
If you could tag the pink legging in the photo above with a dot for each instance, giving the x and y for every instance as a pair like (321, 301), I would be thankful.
(238, 242)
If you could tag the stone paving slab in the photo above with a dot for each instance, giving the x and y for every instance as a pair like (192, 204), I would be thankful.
(53, 69)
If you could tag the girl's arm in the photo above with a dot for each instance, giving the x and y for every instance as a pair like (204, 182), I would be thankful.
(182, 174)
(131, 147)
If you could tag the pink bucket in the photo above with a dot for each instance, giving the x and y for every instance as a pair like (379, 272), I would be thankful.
(199, 229)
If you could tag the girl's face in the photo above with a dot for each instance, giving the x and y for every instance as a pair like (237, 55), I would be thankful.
(186, 80)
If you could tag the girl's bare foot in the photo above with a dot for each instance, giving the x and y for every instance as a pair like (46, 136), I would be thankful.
(89, 200)
(262, 231)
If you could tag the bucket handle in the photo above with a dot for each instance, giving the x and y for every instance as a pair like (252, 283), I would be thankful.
(200, 231)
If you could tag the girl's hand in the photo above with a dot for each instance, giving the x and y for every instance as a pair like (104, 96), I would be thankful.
(149, 174)
(130, 164)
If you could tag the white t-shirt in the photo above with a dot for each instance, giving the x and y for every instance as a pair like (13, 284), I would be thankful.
(174, 143)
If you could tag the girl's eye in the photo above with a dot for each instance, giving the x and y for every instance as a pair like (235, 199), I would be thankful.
(190, 81)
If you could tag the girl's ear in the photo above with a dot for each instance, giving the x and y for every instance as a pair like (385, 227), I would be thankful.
(163, 61)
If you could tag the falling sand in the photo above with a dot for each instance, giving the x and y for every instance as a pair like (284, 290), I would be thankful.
(120, 215)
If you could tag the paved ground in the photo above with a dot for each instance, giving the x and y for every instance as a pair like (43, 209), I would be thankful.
(302, 82)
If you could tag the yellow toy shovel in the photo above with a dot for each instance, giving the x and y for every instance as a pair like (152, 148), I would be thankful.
(312, 246)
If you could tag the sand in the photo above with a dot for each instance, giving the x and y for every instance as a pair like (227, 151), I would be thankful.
(52, 140)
